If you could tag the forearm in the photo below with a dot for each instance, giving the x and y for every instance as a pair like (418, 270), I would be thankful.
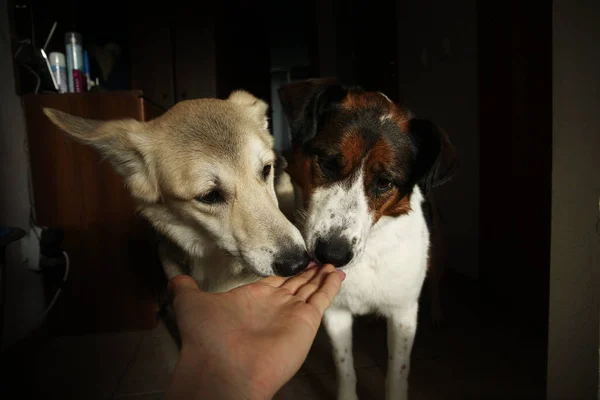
(196, 378)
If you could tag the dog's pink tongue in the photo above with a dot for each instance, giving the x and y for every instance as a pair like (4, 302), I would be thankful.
(312, 264)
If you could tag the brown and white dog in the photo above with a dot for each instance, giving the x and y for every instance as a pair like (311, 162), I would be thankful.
(364, 166)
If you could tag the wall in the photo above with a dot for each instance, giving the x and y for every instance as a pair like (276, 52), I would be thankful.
(443, 88)
(25, 300)
(575, 256)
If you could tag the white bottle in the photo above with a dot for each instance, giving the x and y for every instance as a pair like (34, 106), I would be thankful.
(74, 58)
(59, 70)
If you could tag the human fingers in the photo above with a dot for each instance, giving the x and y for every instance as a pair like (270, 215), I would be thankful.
(323, 297)
(274, 281)
(310, 287)
(295, 282)
(180, 286)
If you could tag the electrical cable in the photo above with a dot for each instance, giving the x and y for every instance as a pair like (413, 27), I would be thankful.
(64, 280)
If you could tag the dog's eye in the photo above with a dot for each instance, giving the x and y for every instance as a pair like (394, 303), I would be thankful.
(383, 185)
(210, 197)
(267, 171)
(329, 166)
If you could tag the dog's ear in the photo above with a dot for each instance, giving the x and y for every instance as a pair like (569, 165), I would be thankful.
(307, 103)
(120, 141)
(436, 161)
(255, 107)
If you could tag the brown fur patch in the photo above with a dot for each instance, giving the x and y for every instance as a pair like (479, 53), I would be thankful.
(380, 154)
(356, 101)
(354, 149)
(390, 203)
(300, 169)
(360, 100)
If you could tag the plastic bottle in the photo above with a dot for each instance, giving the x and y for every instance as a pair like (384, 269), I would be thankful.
(59, 70)
(74, 62)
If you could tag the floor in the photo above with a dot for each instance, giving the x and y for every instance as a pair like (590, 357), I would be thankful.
(463, 360)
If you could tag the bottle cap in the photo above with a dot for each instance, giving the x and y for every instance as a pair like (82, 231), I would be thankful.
(57, 58)
(72, 37)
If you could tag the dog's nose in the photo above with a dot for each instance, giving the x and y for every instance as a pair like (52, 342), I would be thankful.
(336, 251)
(291, 262)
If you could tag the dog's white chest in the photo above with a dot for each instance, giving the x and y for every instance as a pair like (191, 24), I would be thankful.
(390, 270)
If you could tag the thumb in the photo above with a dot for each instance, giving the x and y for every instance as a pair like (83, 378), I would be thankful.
(182, 284)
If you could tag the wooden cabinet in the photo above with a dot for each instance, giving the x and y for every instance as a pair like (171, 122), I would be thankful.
(114, 268)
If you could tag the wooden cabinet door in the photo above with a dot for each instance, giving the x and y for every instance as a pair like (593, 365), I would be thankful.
(114, 268)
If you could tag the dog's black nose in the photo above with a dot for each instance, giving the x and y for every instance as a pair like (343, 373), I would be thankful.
(291, 262)
(336, 251)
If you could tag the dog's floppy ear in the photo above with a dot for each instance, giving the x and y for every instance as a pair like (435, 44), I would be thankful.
(255, 107)
(119, 141)
(306, 103)
(436, 161)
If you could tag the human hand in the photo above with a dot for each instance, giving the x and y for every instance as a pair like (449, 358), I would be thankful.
(248, 342)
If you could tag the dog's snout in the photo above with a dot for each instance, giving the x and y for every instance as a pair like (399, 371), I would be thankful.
(335, 250)
(291, 262)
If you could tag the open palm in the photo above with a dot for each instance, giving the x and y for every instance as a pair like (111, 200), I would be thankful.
(255, 337)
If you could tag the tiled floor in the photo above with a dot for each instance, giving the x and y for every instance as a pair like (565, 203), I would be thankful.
(453, 363)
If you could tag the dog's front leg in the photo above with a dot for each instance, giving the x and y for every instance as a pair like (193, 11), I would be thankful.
(401, 329)
(338, 323)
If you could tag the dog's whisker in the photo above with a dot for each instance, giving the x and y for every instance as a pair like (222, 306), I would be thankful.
(300, 217)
